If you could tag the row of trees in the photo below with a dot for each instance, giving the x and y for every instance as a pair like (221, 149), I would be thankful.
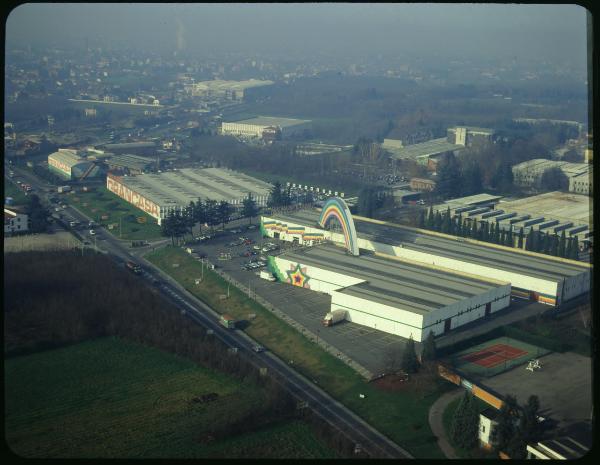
(535, 241)
(517, 426)
(208, 212)
(38, 214)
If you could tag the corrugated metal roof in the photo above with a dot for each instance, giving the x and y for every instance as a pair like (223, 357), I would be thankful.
(272, 121)
(424, 149)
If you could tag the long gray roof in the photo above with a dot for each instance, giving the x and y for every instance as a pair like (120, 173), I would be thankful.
(508, 260)
(392, 282)
(424, 149)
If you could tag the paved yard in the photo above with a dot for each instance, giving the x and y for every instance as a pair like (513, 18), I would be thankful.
(563, 385)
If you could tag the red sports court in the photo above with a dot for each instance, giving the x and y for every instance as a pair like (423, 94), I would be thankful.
(494, 355)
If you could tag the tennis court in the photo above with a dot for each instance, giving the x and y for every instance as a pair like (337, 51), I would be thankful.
(495, 356)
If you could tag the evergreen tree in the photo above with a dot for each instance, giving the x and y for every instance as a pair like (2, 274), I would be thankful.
(562, 243)
(438, 222)
(575, 250)
(529, 425)
(485, 232)
(459, 225)
(520, 240)
(249, 208)
(199, 213)
(464, 429)
(429, 352)
(474, 231)
(503, 236)
(554, 245)
(167, 227)
(421, 220)
(275, 197)
(446, 226)
(507, 418)
(210, 208)
(510, 241)
(430, 219)
(224, 211)
(410, 363)
(449, 183)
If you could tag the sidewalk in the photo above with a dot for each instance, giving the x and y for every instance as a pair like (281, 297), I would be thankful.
(436, 423)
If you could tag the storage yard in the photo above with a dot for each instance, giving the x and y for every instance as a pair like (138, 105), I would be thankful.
(533, 276)
(159, 194)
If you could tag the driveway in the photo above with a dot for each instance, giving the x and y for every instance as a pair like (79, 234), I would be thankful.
(436, 423)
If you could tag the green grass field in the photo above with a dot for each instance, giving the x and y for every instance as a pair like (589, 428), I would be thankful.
(401, 416)
(111, 398)
(11, 190)
(101, 202)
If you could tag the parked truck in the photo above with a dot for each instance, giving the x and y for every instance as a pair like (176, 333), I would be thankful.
(334, 317)
(63, 189)
(134, 267)
(228, 321)
(267, 275)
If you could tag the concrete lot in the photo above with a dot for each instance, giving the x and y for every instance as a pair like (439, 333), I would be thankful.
(366, 346)
(563, 385)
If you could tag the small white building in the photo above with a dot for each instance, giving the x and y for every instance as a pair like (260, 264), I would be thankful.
(15, 222)
(487, 428)
(256, 127)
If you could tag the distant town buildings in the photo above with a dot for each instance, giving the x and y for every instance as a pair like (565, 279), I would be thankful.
(469, 135)
(421, 184)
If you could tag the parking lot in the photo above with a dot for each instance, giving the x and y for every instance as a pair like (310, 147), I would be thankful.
(367, 346)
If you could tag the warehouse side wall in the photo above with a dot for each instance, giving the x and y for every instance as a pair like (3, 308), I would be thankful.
(133, 197)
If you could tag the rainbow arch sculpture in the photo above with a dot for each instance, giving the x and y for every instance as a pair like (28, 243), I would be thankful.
(337, 208)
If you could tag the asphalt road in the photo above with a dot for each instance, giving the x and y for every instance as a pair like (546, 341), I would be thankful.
(373, 443)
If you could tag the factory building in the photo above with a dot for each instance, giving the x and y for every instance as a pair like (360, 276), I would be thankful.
(162, 193)
(390, 294)
(547, 279)
(427, 153)
(260, 126)
(15, 222)
(137, 148)
(130, 164)
(469, 135)
(217, 88)
(529, 174)
(74, 164)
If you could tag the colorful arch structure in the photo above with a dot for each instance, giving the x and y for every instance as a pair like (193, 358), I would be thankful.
(337, 208)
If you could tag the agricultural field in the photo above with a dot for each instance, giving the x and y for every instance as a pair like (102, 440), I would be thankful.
(111, 398)
(402, 416)
(61, 240)
(117, 216)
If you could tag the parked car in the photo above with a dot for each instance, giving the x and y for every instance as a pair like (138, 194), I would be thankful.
(92, 232)
(258, 348)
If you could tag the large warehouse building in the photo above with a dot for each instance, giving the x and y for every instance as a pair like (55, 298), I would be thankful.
(256, 127)
(538, 277)
(160, 194)
(232, 90)
(390, 294)
(73, 164)
(529, 173)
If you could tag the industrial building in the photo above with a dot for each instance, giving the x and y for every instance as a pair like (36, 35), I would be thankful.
(266, 125)
(547, 279)
(137, 148)
(391, 294)
(74, 164)
(314, 148)
(529, 174)
(130, 164)
(160, 194)
(469, 135)
(426, 153)
(230, 90)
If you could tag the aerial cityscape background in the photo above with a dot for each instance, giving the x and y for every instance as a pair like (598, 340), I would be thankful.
(317, 230)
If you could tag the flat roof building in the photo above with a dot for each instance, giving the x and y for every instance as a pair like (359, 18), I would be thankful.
(161, 193)
(529, 173)
(547, 279)
(256, 127)
(390, 294)
(130, 164)
(233, 90)
(421, 153)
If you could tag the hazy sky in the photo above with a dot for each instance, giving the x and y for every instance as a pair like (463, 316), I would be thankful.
(554, 32)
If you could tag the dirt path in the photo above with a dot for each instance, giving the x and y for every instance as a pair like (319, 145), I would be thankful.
(436, 413)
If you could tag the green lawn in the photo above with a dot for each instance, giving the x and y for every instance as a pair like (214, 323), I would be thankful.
(401, 416)
(102, 202)
(447, 421)
(112, 398)
(11, 190)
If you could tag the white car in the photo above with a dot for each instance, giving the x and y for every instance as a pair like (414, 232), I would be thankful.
(92, 232)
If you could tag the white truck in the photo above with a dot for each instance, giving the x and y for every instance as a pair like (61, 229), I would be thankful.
(267, 275)
(334, 317)
(63, 189)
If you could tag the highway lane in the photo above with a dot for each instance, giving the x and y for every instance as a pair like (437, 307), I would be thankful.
(372, 442)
